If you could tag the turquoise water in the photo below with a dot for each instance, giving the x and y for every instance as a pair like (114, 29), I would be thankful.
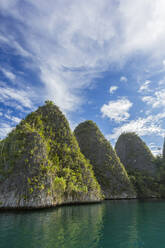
(112, 224)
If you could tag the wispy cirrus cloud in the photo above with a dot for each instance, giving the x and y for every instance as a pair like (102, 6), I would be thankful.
(8, 74)
(13, 119)
(8, 95)
(68, 49)
(91, 40)
(145, 87)
(5, 128)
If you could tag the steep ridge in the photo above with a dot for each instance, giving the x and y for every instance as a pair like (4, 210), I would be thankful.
(108, 169)
(134, 153)
(139, 163)
(41, 164)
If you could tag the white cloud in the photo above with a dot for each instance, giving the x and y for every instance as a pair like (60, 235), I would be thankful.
(155, 149)
(12, 118)
(161, 82)
(3, 39)
(149, 100)
(8, 74)
(11, 41)
(112, 89)
(145, 87)
(142, 126)
(5, 128)
(157, 100)
(117, 110)
(123, 79)
(63, 41)
(10, 94)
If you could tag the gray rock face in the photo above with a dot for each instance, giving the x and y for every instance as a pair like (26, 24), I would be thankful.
(108, 169)
(11, 199)
(134, 153)
(41, 164)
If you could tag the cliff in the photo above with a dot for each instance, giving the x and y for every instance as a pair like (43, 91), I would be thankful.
(108, 169)
(139, 163)
(41, 164)
(134, 153)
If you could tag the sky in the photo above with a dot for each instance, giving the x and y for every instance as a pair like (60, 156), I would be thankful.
(97, 60)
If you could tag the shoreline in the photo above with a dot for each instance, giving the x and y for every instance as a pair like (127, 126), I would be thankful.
(26, 209)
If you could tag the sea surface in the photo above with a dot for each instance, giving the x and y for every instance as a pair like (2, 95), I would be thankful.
(111, 224)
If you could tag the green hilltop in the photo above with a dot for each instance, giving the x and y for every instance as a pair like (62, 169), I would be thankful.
(134, 153)
(146, 172)
(108, 169)
(41, 164)
(44, 164)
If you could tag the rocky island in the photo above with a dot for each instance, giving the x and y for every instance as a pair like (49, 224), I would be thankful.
(143, 169)
(109, 171)
(41, 164)
(44, 164)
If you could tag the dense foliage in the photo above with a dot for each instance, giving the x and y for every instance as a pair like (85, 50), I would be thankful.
(42, 156)
(160, 174)
(147, 173)
(109, 171)
(41, 163)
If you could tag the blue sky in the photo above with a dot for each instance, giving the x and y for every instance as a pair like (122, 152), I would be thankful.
(99, 60)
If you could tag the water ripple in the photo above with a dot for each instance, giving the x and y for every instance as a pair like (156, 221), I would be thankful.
(112, 224)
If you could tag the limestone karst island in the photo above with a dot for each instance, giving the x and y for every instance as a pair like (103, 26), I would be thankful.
(82, 123)
(44, 164)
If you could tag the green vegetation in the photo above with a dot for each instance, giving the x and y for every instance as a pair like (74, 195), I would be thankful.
(160, 175)
(109, 171)
(134, 153)
(149, 186)
(41, 157)
(146, 173)
(41, 163)
(145, 185)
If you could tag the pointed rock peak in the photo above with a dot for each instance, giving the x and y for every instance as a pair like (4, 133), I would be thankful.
(134, 153)
(41, 164)
(108, 169)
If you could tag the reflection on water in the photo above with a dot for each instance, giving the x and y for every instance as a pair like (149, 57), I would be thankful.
(63, 227)
(112, 224)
